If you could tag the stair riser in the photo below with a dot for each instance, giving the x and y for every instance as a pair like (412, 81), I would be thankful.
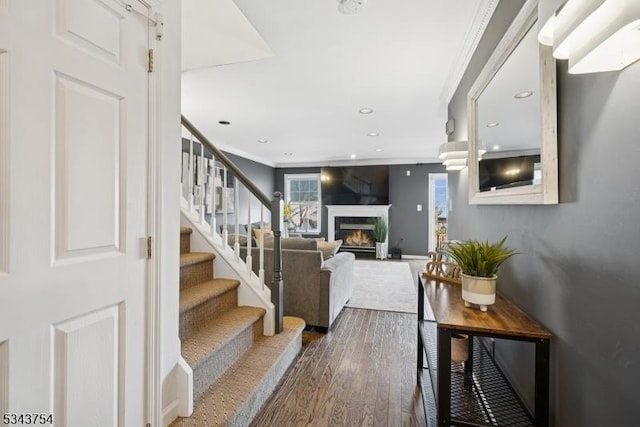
(252, 405)
(197, 273)
(191, 319)
(221, 359)
(185, 243)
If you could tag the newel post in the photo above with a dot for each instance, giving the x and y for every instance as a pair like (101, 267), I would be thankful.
(277, 284)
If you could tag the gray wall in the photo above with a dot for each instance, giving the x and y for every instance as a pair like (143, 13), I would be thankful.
(405, 193)
(262, 176)
(577, 273)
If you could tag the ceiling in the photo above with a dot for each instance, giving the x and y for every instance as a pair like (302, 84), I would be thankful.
(295, 73)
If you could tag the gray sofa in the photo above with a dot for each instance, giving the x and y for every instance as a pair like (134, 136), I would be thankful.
(315, 289)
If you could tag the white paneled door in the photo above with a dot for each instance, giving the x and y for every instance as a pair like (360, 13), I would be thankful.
(74, 107)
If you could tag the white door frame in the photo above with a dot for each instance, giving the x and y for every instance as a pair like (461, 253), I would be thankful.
(432, 217)
(153, 380)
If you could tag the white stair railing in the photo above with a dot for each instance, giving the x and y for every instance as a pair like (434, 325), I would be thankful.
(209, 181)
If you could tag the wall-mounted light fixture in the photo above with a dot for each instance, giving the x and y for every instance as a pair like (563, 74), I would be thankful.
(454, 155)
(594, 35)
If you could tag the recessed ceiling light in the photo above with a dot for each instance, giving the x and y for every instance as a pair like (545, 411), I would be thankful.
(373, 134)
(492, 124)
(366, 110)
(524, 94)
(378, 150)
(353, 156)
(288, 154)
(496, 147)
(224, 122)
(263, 141)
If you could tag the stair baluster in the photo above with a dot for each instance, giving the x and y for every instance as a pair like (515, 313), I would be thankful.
(191, 188)
(261, 269)
(249, 259)
(225, 216)
(201, 185)
(236, 221)
(212, 195)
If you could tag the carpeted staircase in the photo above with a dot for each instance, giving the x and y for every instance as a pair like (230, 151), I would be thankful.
(235, 367)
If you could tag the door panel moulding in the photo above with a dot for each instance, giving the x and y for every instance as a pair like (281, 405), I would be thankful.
(4, 161)
(88, 148)
(87, 355)
(4, 377)
(100, 37)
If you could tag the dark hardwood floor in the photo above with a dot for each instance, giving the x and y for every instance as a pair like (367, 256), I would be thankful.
(361, 373)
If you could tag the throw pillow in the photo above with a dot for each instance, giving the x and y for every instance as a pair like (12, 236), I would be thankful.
(240, 238)
(257, 232)
(329, 249)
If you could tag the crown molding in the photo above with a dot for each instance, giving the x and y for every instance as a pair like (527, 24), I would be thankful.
(481, 17)
(366, 162)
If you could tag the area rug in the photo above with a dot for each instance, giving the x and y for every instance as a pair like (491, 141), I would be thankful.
(383, 285)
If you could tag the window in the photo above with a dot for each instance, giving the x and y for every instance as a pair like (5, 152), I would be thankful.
(438, 211)
(302, 192)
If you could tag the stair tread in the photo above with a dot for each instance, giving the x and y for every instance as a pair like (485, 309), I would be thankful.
(222, 400)
(217, 332)
(186, 230)
(191, 258)
(197, 294)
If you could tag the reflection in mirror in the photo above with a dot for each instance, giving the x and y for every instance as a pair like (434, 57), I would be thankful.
(509, 121)
(512, 126)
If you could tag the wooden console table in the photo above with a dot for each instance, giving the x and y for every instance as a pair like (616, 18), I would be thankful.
(478, 394)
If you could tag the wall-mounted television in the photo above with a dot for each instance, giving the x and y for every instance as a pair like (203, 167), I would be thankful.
(355, 185)
(509, 172)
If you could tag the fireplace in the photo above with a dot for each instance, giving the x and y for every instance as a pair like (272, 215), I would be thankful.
(356, 233)
(354, 224)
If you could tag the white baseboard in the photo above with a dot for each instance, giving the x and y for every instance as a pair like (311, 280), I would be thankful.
(179, 389)
(414, 256)
(170, 412)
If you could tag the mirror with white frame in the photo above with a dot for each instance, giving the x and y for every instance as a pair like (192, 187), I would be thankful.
(512, 120)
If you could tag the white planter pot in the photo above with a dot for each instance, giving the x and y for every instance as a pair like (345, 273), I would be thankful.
(459, 347)
(380, 252)
(479, 290)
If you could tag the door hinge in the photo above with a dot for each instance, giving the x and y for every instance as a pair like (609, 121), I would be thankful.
(150, 61)
(148, 247)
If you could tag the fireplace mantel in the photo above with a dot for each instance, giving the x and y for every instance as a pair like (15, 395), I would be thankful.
(355, 211)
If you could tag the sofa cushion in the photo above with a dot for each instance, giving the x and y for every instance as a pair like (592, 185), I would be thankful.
(233, 238)
(329, 249)
(299, 243)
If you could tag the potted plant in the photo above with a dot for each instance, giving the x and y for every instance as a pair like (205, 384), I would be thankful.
(479, 262)
(380, 231)
(287, 213)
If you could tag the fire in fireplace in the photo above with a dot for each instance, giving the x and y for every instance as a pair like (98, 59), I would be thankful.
(358, 238)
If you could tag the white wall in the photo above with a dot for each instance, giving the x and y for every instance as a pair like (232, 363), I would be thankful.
(168, 59)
